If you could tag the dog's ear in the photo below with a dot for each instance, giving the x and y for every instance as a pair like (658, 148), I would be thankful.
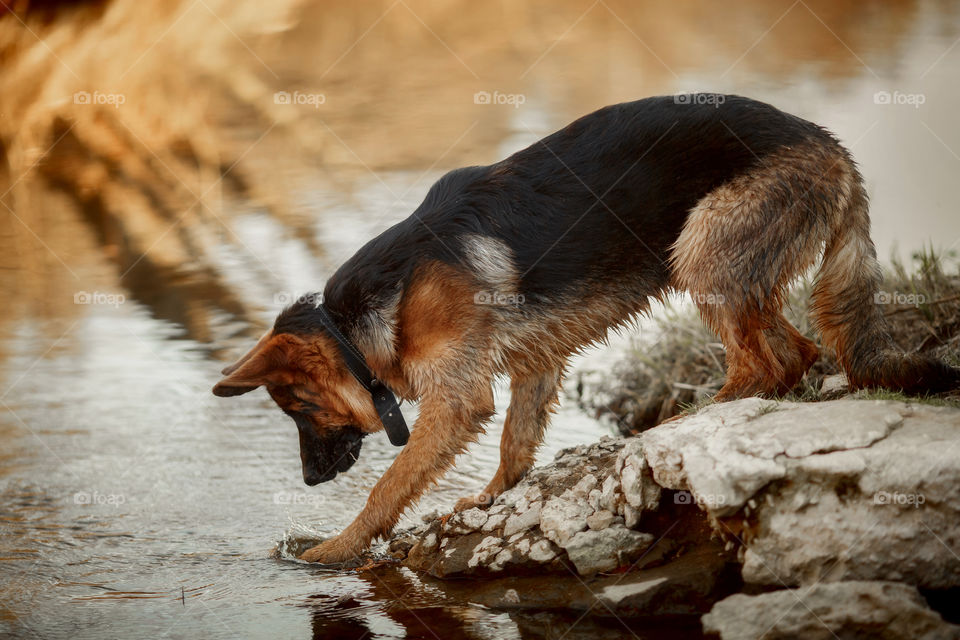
(261, 343)
(269, 362)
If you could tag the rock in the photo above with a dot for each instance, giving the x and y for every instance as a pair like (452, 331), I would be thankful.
(522, 521)
(783, 494)
(882, 610)
(727, 452)
(528, 496)
(561, 518)
(834, 386)
(494, 522)
(432, 552)
(466, 521)
(684, 586)
(889, 511)
(841, 490)
(681, 587)
(594, 551)
(583, 487)
(602, 520)
(484, 552)
(594, 499)
(610, 494)
(400, 545)
(542, 551)
(502, 559)
(639, 490)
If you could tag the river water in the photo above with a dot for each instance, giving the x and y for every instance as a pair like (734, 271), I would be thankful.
(133, 503)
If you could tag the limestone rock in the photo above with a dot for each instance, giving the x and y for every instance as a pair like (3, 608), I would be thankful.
(727, 452)
(466, 521)
(834, 386)
(522, 521)
(639, 490)
(605, 550)
(602, 519)
(610, 494)
(561, 519)
(889, 511)
(849, 491)
(494, 522)
(876, 610)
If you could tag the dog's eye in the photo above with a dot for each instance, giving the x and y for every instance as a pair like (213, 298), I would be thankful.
(306, 406)
(303, 405)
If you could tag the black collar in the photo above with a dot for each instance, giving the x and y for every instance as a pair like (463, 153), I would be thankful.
(383, 399)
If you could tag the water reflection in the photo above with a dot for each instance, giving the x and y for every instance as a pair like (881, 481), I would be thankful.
(133, 502)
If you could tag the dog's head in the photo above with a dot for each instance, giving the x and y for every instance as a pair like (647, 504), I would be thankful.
(305, 375)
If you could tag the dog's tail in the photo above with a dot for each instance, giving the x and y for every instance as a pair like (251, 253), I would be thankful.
(846, 308)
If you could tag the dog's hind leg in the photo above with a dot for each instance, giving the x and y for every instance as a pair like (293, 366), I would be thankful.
(795, 352)
(753, 368)
(532, 400)
(741, 246)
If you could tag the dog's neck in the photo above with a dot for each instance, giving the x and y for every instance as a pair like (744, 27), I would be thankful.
(382, 396)
(373, 333)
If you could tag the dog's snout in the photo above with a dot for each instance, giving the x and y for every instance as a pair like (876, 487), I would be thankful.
(311, 478)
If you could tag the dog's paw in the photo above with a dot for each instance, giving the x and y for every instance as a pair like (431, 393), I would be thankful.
(481, 500)
(332, 551)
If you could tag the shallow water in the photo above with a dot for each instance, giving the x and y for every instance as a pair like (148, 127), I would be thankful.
(134, 503)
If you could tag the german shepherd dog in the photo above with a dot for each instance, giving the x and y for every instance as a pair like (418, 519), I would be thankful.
(510, 268)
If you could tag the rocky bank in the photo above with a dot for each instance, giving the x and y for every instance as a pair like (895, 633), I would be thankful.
(761, 518)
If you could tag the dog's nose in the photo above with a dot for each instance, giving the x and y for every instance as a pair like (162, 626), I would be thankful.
(312, 476)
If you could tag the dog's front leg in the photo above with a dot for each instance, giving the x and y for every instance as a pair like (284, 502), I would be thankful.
(443, 430)
(533, 397)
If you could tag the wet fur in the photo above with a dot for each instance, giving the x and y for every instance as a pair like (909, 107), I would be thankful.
(571, 237)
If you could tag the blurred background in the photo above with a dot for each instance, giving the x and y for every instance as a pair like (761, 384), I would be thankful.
(173, 173)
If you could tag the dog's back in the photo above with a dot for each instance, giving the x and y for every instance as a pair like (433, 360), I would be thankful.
(605, 197)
